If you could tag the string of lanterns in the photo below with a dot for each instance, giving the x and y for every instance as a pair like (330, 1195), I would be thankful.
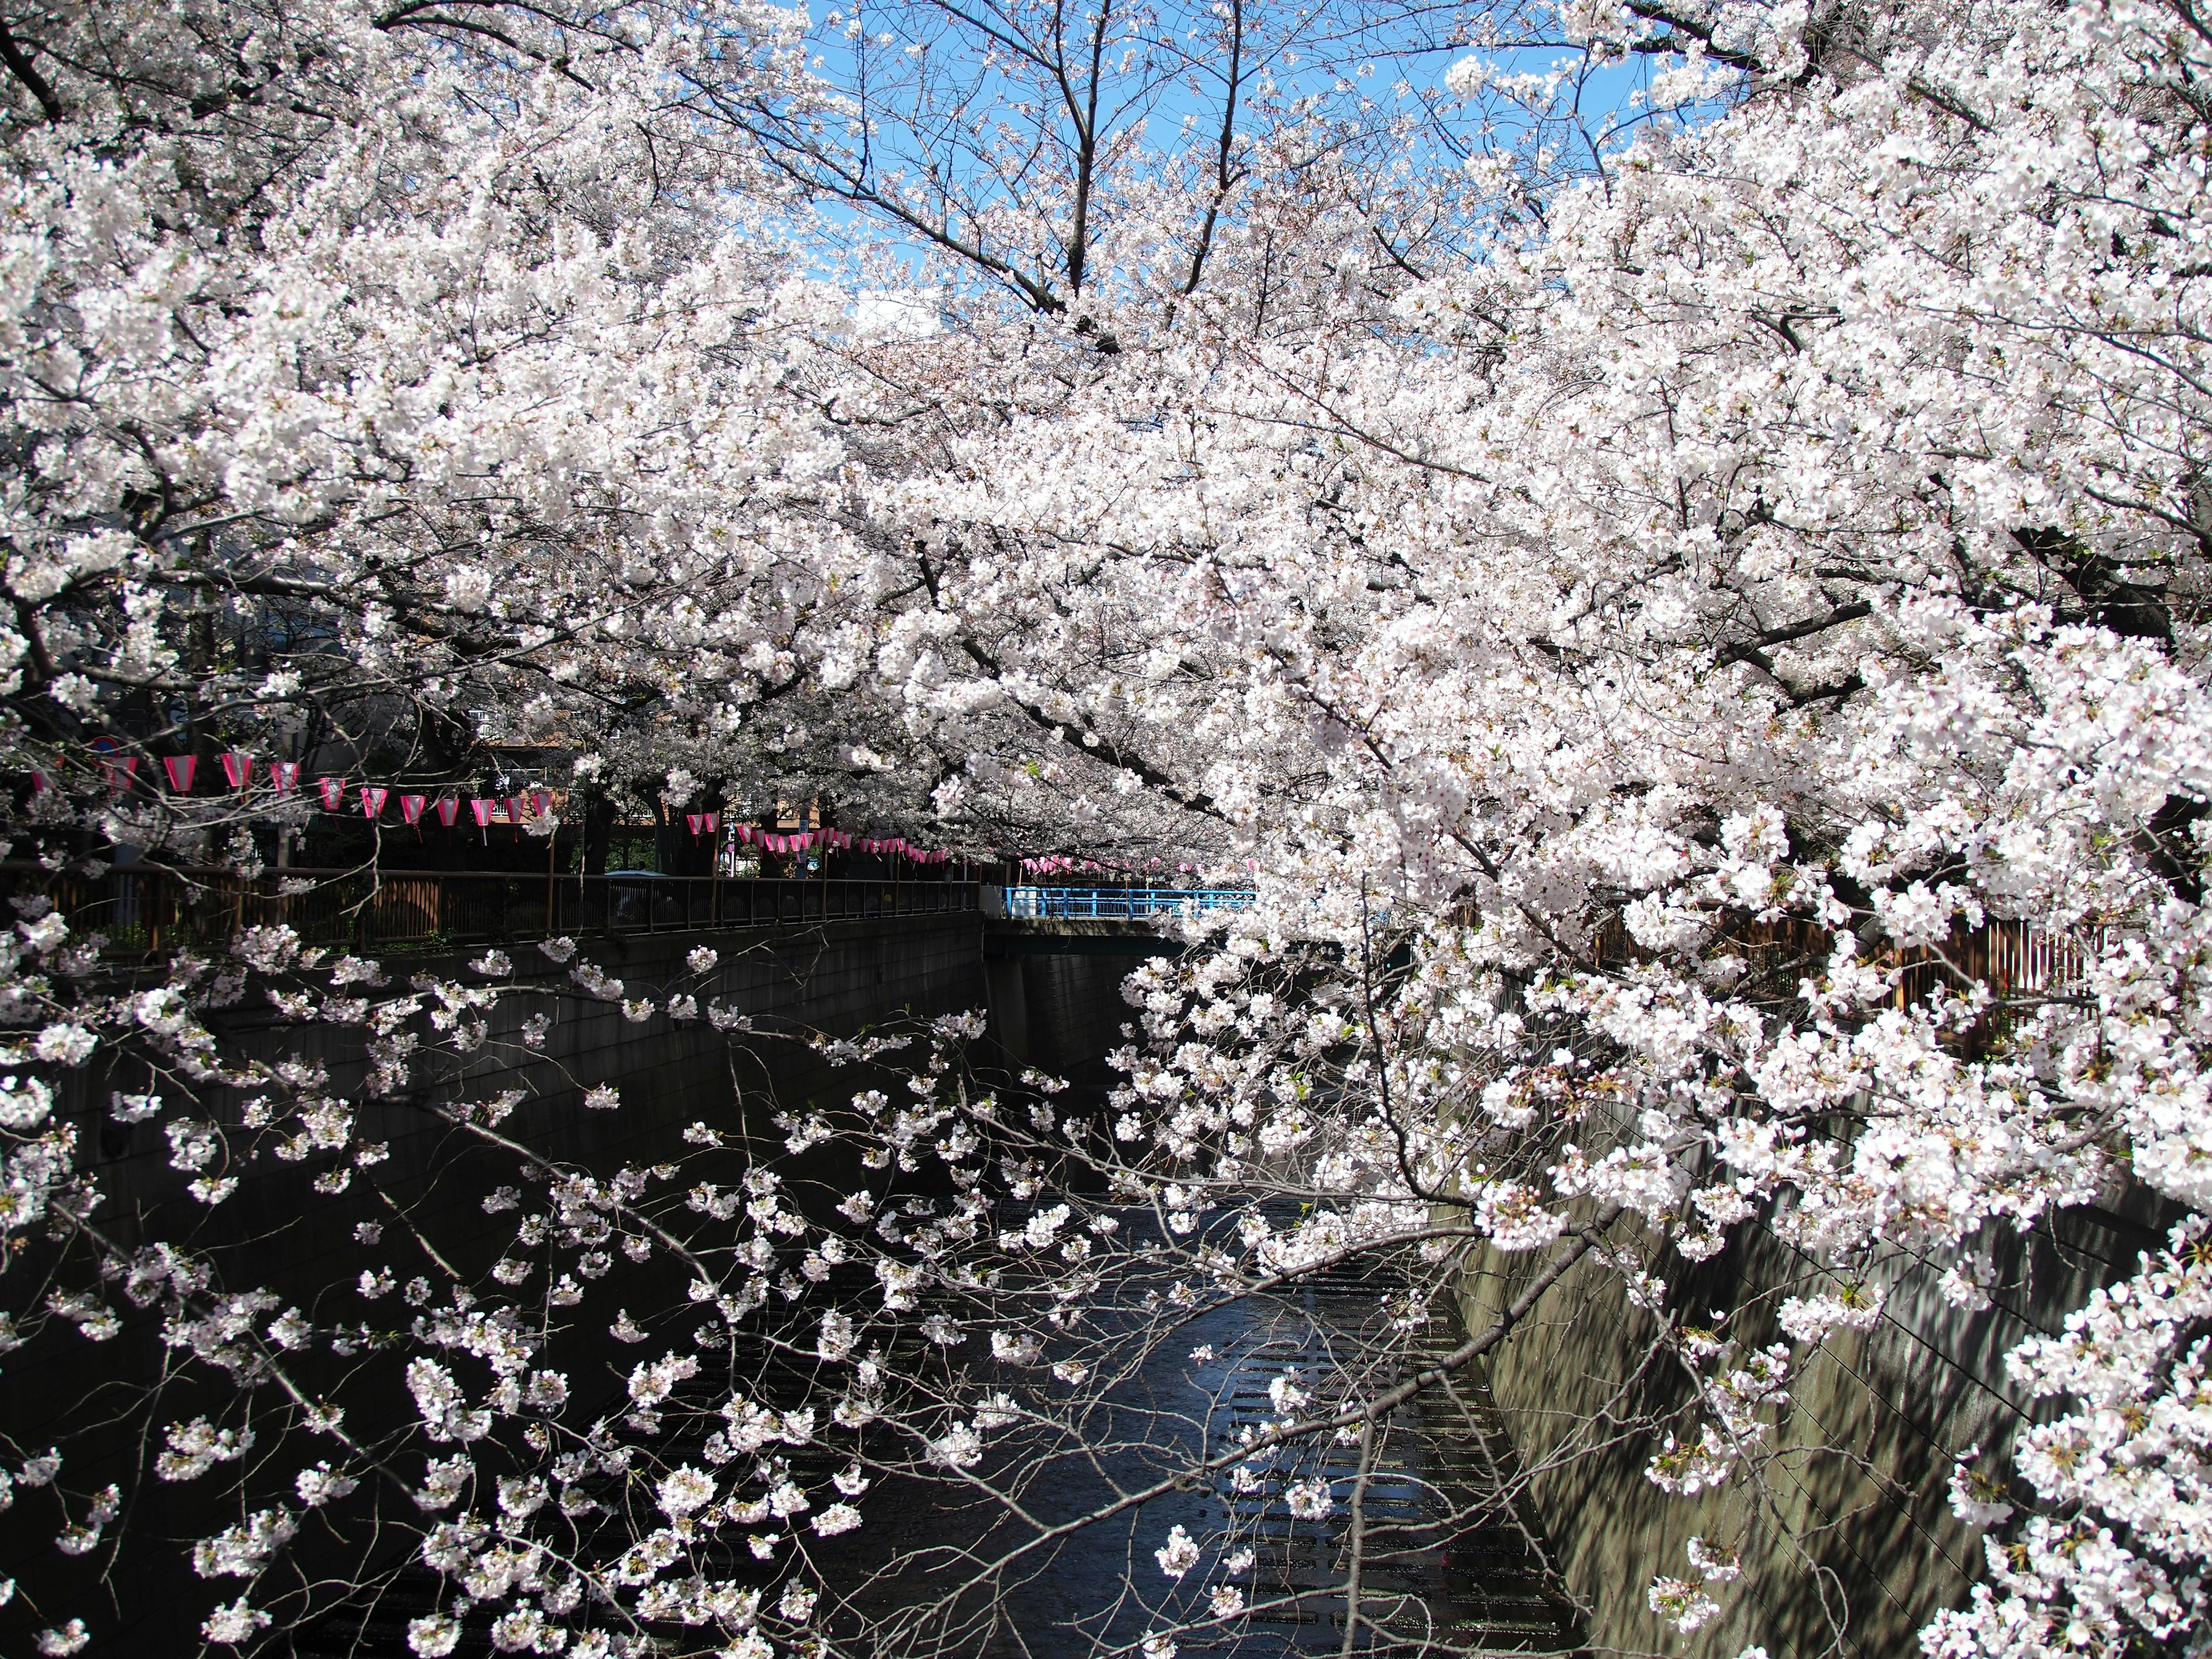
(1056, 863)
(807, 841)
(239, 769)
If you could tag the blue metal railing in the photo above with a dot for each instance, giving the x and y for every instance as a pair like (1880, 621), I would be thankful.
(1124, 903)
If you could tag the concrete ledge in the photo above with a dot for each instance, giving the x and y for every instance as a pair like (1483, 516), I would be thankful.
(1066, 936)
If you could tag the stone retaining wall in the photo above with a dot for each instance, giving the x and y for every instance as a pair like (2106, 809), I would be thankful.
(1849, 1542)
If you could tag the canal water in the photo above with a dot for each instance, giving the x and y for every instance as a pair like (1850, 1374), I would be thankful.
(946, 1568)
(938, 1570)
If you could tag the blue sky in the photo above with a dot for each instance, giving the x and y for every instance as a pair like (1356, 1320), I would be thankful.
(1400, 51)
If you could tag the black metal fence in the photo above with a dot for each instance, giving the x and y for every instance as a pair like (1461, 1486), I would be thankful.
(148, 911)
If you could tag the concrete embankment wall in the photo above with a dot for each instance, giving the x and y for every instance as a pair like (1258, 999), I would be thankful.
(1055, 989)
(279, 1232)
(1847, 1539)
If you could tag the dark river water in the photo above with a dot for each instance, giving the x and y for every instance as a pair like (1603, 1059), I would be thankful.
(1448, 1565)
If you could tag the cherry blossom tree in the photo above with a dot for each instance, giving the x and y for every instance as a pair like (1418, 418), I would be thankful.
(1644, 589)
(1784, 551)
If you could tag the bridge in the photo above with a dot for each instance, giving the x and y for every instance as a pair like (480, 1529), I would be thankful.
(1121, 903)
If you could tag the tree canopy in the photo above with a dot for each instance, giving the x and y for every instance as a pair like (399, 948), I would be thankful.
(1642, 529)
